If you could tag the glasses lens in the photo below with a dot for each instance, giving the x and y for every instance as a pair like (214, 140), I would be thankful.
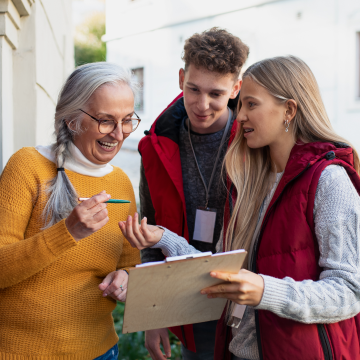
(130, 125)
(106, 126)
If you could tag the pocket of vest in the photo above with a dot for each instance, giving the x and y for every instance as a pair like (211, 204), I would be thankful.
(325, 342)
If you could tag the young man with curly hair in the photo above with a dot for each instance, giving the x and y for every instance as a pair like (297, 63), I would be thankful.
(182, 157)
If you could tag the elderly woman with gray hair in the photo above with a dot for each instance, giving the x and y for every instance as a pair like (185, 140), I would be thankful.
(63, 262)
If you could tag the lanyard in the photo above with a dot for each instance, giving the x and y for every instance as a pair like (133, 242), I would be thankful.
(216, 160)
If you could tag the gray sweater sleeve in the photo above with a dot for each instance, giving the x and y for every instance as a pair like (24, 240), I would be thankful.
(336, 295)
(174, 245)
(147, 209)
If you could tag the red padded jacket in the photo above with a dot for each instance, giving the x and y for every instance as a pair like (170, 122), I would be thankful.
(287, 246)
(161, 160)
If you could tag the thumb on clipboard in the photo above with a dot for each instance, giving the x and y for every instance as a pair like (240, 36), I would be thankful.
(244, 288)
(140, 236)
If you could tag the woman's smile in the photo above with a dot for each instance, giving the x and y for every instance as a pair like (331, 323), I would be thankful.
(107, 146)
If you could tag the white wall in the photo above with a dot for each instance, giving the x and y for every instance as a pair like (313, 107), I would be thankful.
(6, 96)
(322, 32)
(36, 57)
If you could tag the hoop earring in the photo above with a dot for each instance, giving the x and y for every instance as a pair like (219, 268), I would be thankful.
(287, 124)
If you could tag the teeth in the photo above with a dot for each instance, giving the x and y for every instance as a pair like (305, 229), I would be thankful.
(107, 144)
(248, 130)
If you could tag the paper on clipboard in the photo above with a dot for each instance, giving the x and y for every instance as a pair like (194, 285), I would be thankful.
(168, 294)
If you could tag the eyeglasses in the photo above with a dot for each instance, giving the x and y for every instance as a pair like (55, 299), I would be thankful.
(108, 126)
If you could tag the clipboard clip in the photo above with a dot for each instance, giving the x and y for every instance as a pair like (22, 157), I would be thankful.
(188, 256)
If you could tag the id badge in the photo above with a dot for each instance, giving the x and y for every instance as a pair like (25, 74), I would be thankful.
(204, 224)
(236, 315)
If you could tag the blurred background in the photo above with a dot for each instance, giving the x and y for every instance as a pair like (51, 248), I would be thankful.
(41, 41)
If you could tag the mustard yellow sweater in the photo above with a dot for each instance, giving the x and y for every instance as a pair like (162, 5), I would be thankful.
(50, 304)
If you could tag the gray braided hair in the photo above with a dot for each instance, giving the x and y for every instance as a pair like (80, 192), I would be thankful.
(74, 95)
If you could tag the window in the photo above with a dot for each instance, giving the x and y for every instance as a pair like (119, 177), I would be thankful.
(139, 98)
(358, 64)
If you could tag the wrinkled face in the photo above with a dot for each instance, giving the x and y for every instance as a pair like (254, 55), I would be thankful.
(206, 94)
(109, 102)
(262, 116)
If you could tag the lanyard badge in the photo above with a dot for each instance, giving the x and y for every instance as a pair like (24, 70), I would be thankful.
(236, 315)
(206, 217)
(204, 224)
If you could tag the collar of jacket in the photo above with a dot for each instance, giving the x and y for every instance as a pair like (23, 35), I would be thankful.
(164, 137)
(303, 156)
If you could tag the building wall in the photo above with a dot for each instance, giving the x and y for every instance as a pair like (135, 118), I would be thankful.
(36, 56)
(324, 33)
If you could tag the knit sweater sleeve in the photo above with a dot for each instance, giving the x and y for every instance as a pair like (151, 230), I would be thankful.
(22, 257)
(336, 295)
(172, 244)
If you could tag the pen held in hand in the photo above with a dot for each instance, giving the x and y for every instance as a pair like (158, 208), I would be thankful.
(110, 201)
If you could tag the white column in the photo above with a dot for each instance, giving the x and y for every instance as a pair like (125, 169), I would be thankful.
(9, 27)
(6, 102)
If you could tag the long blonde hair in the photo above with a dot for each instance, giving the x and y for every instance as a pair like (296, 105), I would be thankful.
(251, 170)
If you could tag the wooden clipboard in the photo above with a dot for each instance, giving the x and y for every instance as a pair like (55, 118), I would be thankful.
(168, 294)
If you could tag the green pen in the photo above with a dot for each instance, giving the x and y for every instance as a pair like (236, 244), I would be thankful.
(111, 201)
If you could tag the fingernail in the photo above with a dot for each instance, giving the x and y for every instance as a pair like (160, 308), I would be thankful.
(108, 196)
(104, 294)
(202, 292)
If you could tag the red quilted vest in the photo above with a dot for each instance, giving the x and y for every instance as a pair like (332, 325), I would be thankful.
(161, 159)
(288, 247)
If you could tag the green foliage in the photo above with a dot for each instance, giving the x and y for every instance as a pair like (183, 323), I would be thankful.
(131, 346)
(88, 45)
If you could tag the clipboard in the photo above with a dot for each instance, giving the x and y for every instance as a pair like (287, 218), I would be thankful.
(167, 293)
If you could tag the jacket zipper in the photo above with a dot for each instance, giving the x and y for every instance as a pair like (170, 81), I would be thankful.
(255, 252)
(183, 226)
(183, 335)
(226, 341)
(325, 343)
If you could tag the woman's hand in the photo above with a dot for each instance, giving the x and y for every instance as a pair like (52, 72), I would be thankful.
(88, 217)
(244, 288)
(115, 285)
(142, 236)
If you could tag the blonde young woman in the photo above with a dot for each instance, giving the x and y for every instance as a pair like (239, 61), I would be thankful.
(294, 205)
(63, 262)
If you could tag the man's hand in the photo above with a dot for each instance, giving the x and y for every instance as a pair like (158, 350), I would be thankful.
(115, 285)
(153, 339)
(142, 236)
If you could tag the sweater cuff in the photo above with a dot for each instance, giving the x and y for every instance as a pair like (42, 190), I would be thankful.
(58, 239)
(275, 294)
(168, 243)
